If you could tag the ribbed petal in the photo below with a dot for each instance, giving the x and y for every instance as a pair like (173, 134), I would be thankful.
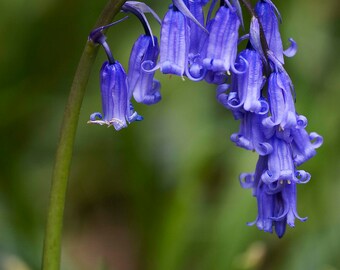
(221, 48)
(175, 39)
(280, 163)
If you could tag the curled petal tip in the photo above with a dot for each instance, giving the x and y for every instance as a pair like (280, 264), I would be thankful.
(302, 177)
(264, 149)
(246, 180)
(316, 139)
(195, 72)
(291, 51)
(301, 121)
(243, 67)
(95, 116)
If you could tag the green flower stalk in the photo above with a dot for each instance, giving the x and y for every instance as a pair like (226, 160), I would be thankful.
(53, 233)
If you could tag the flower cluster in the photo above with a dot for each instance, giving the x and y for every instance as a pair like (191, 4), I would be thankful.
(253, 84)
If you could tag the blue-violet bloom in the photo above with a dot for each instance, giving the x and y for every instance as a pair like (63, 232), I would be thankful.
(174, 42)
(114, 93)
(175, 39)
(142, 85)
(251, 136)
(221, 47)
(281, 165)
(265, 10)
(281, 102)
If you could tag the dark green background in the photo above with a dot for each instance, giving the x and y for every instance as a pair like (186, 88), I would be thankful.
(162, 194)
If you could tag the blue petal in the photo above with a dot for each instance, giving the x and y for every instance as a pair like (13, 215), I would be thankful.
(114, 93)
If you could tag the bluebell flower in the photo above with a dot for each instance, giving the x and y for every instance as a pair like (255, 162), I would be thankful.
(304, 145)
(114, 93)
(281, 102)
(116, 106)
(174, 42)
(175, 39)
(142, 85)
(251, 81)
(281, 165)
(269, 17)
(221, 46)
(250, 135)
(265, 10)
(245, 94)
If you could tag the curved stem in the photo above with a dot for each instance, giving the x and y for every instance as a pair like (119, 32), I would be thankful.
(53, 232)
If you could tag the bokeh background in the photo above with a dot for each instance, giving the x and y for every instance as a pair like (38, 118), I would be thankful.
(162, 194)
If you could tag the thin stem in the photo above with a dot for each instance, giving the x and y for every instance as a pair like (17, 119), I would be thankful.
(108, 53)
(52, 242)
(140, 17)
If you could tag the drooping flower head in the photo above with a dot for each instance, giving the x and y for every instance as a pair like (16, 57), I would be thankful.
(276, 202)
(116, 106)
(143, 59)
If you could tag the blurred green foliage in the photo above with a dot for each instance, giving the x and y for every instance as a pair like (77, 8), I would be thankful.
(162, 194)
